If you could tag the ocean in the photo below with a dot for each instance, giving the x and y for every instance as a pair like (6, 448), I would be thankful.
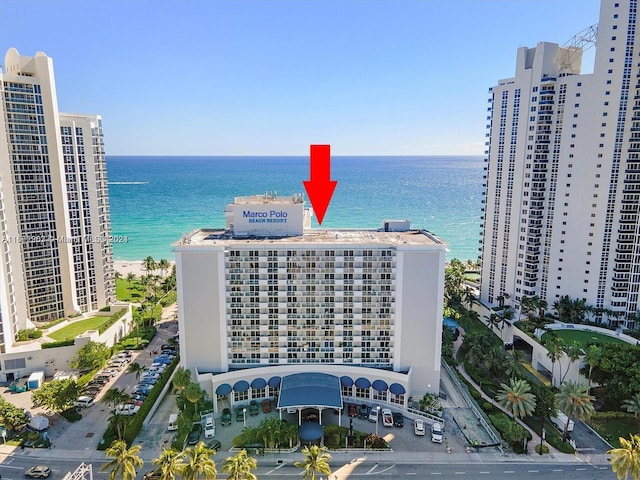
(155, 200)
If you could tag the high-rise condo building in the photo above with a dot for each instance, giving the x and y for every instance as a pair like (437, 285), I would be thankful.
(54, 205)
(268, 298)
(562, 199)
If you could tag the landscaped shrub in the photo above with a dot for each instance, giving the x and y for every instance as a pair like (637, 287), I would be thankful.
(61, 343)
(169, 299)
(545, 449)
(29, 334)
(487, 407)
(71, 415)
(112, 319)
(51, 324)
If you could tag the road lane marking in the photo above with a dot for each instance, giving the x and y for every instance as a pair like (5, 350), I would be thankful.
(557, 470)
(410, 473)
(532, 471)
(582, 468)
(509, 471)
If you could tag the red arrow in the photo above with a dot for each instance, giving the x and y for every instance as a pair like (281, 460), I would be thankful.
(319, 187)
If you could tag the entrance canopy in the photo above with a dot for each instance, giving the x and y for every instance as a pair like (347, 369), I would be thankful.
(310, 390)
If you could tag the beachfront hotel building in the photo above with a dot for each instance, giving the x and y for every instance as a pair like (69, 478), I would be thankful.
(54, 206)
(562, 175)
(268, 300)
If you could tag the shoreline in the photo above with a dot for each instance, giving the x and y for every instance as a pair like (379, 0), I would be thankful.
(136, 267)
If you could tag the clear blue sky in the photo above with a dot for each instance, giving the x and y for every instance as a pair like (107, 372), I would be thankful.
(271, 77)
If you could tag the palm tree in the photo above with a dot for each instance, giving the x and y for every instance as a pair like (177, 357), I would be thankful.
(149, 264)
(181, 378)
(193, 393)
(130, 278)
(574, 352)
(114, 396)
(554, 352)
(120, 424)
(239, 466)
(632, 405)
(199, 463)
(517, 398)
(574, 400)
(117, 275)
(625, 461)
(125, 461)
(316, 460)
(163, 265)
(592, 358)
(169, 463)
(136, 369)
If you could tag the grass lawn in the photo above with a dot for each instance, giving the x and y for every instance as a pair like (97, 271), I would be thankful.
(77, 327)
(612, 425)
(122, 290)
(583, 337)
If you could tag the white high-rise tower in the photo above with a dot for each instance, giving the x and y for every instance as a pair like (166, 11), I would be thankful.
(54, 206)
(563, 173)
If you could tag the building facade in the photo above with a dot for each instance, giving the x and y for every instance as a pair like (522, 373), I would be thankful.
(266, 297)
(562, 176)
(54, 207)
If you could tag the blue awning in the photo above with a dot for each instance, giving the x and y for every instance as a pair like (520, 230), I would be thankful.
(223, 389)
(346, 381)
(312, 389)
(274, 382)
(258, 383)
(397, 389)
(310, 432)
(363, 383)
(380, 385)
(241, 386)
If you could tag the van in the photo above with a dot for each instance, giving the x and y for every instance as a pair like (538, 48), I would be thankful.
(84, 402)
(173, 422)
(560, 421)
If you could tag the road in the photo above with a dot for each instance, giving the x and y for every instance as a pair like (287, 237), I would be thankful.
(12, 468)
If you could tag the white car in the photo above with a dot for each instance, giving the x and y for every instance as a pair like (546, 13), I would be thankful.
(418, 427)
(373, 414)
(126, 409)
(436, 433)
(147, 375)
(387, 417)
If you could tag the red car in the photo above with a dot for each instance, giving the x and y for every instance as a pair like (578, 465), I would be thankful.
(353, 410)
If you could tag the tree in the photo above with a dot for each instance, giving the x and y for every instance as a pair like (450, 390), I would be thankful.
(136, 369)
(119, 423)
(574, 400)
(149, 264)
(517, 398)
(554, 352)
(169, 464)
(316, 460)
(163, 265)
(625, 461)
(91, 356)
(632, 405)
(194, 394)
(199, 463)
(574, 352)
(130, 278)
(592, 358)
(117, 275)
(57, 395)
(239, 466)
(125, 461)
(115, 396)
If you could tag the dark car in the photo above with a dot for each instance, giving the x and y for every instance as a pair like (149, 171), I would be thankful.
(253, 408)
(226, 417)
(39, 471)
(194, 434)
(240, 414)
(214, 444)
(363, 411)
(398, 419)
(353, 410)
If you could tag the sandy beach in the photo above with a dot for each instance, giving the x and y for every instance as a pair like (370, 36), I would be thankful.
(137, 268)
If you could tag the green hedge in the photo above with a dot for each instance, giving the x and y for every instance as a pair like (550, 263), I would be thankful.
(51, 324)
(61, 343)
(29, 334)
(112, 319)
(136, 423)
(169, 299)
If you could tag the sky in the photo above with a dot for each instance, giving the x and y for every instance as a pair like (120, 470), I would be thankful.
(271, 77)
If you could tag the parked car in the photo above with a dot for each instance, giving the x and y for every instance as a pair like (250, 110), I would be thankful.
(112, 372)
(214, 444)
(418, 427)
(209, 425)
(363, 411)
(387, 417)
(373, 414)
(240, 414)
(126, 409)
(436, 433)
(253, 408)
(149, 380)
(103, 378)
(352, 410)
(226, 417)
(39, 471)
(161, 359)
(194, 435)
(266, 405)
(398, 419)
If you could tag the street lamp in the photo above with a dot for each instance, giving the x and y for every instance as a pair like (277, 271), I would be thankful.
(244, 417)
(542, 438)
(377, 418)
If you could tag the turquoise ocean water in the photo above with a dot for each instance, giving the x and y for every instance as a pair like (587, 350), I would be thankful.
(154, 200)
